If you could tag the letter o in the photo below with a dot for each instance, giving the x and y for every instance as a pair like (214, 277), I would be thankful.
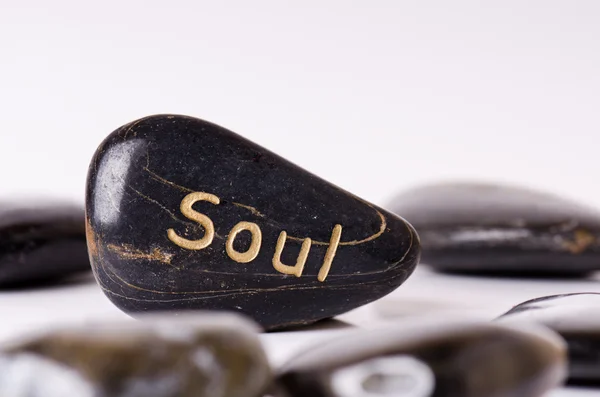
(252, 252)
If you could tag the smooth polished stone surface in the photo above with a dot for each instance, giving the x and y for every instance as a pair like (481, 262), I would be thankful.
(264, 237)
(212, 356)
(41, 241)
(434, 359)
(576, 317)
(487, 228)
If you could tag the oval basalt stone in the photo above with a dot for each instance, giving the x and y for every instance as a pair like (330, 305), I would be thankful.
(576, 317)
(41, 242)
(208, 355)
(430, 359)
(493, 228)
(185, 215)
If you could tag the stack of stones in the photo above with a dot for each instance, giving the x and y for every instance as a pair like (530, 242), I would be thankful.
(209, 239)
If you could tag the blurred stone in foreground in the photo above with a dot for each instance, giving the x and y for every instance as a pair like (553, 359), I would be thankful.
(576, 317)
(430, 359)
(208, 355)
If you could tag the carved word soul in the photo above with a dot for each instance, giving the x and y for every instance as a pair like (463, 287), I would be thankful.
(252, 252)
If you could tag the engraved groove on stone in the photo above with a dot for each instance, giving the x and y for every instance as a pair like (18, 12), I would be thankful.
(129, 252)
(256, 212)
(221, 293)
(253, 210)
(231, 292)
(354, 242)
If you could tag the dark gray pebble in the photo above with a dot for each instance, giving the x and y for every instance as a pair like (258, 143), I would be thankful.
(494, 229)
(41, 242)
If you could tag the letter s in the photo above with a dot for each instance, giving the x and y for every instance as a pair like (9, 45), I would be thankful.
(187, 210)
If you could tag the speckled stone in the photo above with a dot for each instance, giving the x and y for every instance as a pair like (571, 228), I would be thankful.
(576, 317)
(41, 242)
(209, 356)
(264, 237)
(430, 359)
(488, 228)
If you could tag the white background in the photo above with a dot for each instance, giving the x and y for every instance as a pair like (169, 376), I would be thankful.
(375, 96)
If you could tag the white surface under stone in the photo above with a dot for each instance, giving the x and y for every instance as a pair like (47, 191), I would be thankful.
(426, 292)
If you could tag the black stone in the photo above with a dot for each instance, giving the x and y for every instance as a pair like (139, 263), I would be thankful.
(432, 359)
(41, 242)
(576, 317)
(145, 253)
(486, 228)
(209, 356)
